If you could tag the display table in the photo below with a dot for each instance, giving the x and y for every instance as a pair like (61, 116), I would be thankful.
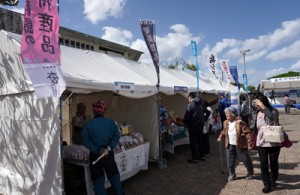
(169, 147)
(129, 163)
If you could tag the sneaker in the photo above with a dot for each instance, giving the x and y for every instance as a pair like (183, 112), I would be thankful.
(249, 176)
(232, 177)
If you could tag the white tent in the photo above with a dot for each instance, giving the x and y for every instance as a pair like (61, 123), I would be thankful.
(30, 131)
(30, 161)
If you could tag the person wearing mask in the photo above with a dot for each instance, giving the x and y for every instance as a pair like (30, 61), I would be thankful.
(268, 152)
(194, 119)
(287, 104)
(78, 122)
(238, 138)
(101, 135)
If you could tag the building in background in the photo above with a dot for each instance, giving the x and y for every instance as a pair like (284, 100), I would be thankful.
(282, 86)
(13, 22)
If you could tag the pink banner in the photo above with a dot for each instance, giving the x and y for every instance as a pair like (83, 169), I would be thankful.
(40, 41)
(224, 66)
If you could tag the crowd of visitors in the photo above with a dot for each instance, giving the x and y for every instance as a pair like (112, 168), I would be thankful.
(100, 135)
(240, 134)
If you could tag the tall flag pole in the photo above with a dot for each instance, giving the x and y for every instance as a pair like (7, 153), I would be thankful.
(148, 30)
(195, 52)
(40, 51)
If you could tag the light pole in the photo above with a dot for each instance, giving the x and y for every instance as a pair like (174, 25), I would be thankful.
(243, 52)
(245, 79)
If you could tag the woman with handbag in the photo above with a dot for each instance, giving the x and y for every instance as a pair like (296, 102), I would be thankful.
(266, 115)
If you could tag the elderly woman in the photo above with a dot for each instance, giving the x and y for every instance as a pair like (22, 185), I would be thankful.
(268, 152)
(237, 138)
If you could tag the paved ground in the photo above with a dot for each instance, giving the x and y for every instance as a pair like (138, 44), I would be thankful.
(206, 177)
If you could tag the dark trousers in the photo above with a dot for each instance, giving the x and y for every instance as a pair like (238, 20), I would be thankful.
(206, 143)
(266, 154)
(196, 142)
(231, 154)
(104, 166)
(287, 108)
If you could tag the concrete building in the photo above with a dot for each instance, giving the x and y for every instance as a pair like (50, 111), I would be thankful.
(13, 22)
(282, 86)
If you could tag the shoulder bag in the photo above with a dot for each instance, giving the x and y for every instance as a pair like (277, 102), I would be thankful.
(273, 134)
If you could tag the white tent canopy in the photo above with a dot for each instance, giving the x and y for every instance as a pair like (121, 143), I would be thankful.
(30, 159)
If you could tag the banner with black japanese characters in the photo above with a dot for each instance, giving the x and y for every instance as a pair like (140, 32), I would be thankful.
(147, 28)
(40, 51)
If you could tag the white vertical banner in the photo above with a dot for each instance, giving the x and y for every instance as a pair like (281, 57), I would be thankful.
(224, 66)
(212, 65)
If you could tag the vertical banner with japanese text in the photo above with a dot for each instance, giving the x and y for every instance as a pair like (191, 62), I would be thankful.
(212, 66)
(224, 66)
(40, 51)
(195, 52)
(235, 76)
(147, 28)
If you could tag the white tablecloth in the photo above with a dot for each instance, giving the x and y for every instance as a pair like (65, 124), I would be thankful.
(129, 163)
(168, 147)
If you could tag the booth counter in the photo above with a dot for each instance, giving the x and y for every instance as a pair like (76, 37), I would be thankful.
(129, 163)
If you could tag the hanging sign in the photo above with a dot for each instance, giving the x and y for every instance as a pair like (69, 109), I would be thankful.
(180, 89)
(124, 86)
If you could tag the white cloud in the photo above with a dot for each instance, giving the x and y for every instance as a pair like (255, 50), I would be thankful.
(117, 35)
(170, 46)
(274, 72)
(296, 66)
(98, 10)
(290, 52)
(262, 45)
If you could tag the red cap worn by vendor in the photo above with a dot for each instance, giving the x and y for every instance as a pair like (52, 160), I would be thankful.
(99, 107)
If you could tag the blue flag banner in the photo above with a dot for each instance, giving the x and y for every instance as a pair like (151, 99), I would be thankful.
(235, 76)
(195, 52)
(245, 80)
(147, 28)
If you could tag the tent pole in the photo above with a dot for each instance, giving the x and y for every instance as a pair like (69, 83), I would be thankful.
(61, 144)
(161, 162)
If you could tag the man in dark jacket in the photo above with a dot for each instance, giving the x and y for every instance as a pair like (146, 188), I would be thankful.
(194, 119)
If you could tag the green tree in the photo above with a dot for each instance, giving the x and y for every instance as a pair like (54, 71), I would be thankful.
(288, 74)
(190, 67)
(251, 88)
